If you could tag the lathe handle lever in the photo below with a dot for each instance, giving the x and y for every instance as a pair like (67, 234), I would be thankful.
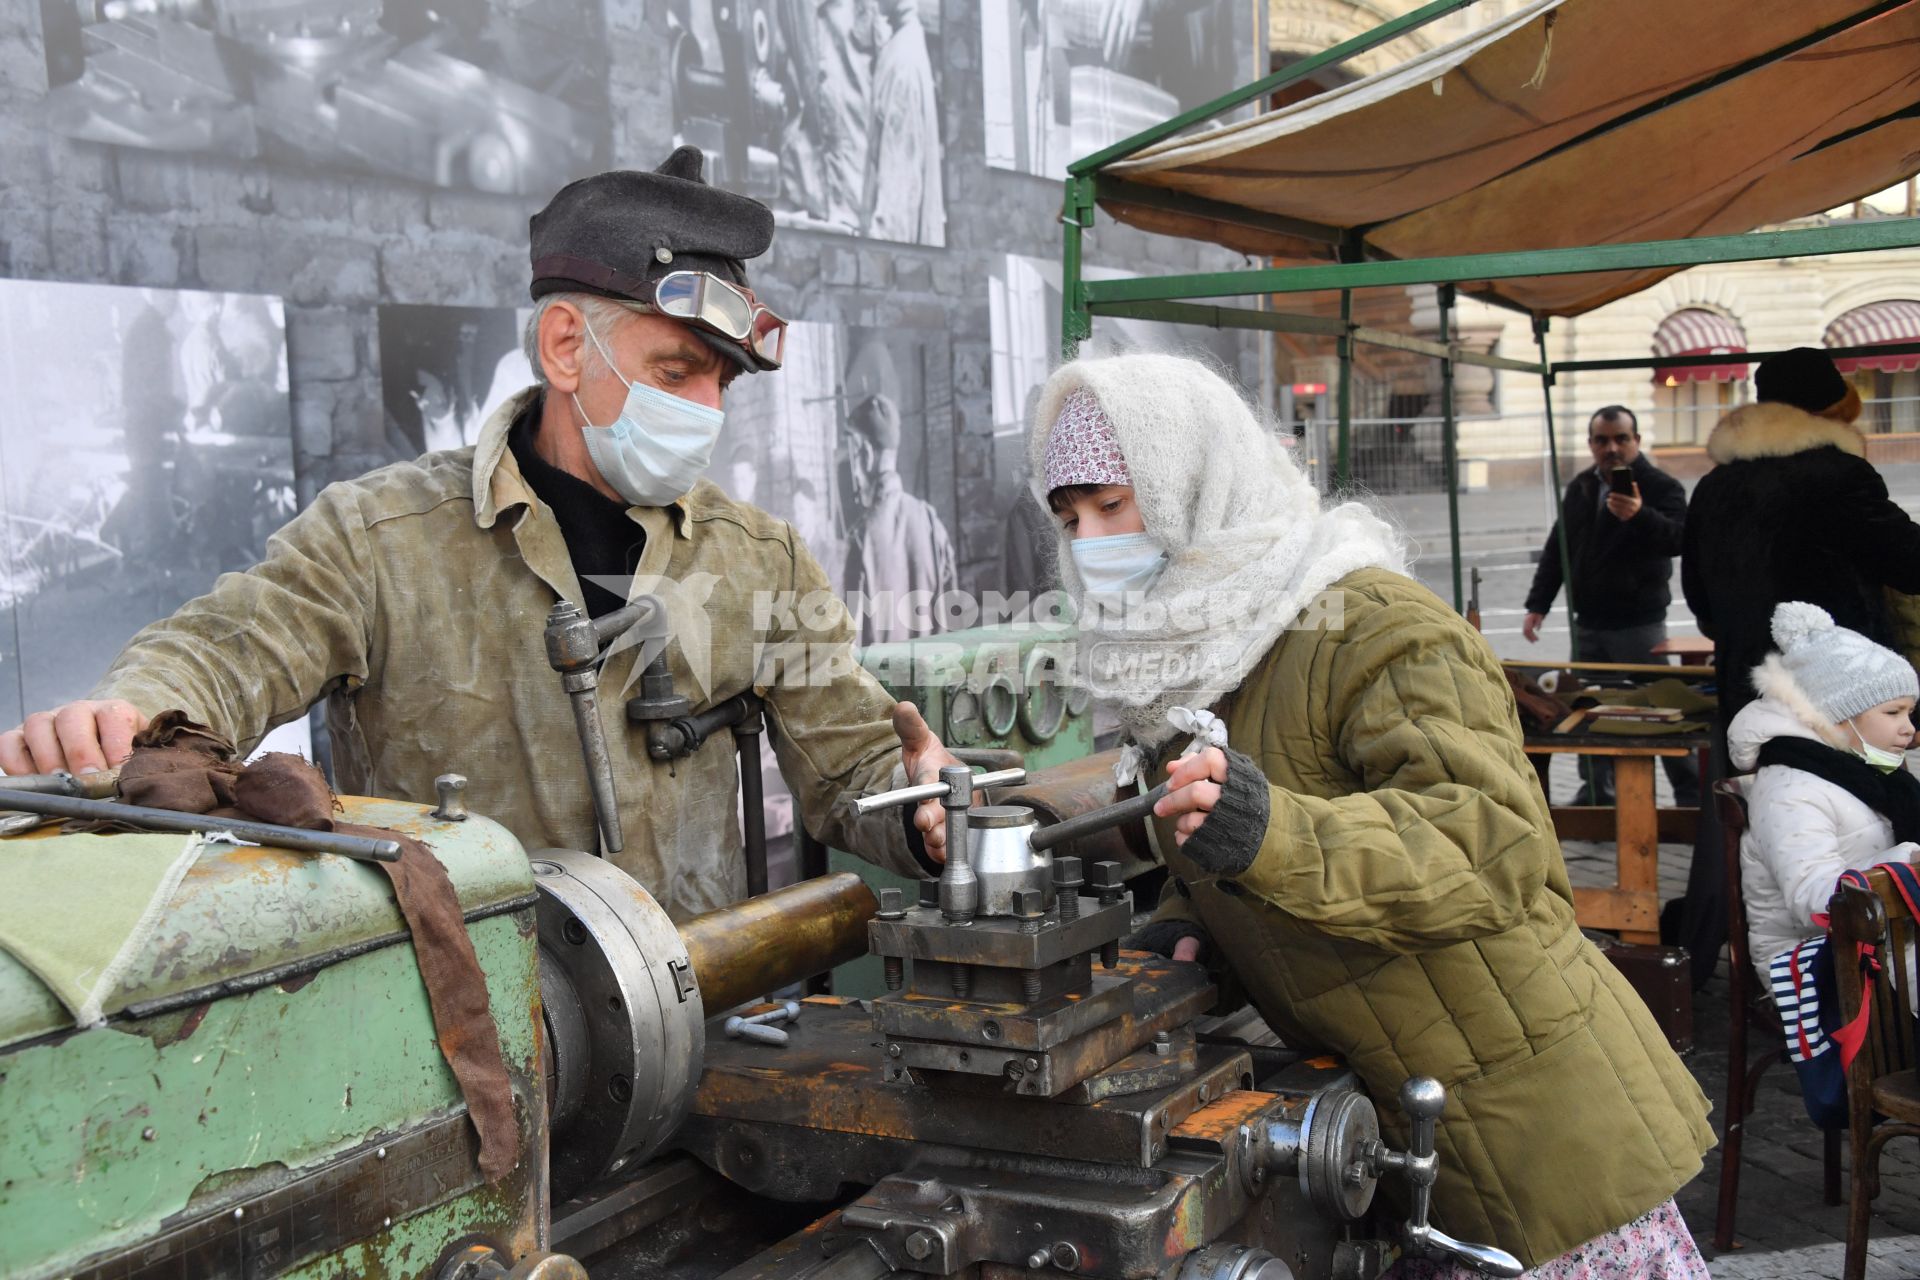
(934, 791)
(1423, 1099)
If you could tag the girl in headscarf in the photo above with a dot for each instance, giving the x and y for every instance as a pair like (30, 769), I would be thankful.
(1354, 829)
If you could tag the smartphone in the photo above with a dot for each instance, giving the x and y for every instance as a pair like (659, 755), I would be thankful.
(1620, 479)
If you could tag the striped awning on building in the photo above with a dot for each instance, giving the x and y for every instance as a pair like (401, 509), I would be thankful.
(1877, 323)
(1698, 332)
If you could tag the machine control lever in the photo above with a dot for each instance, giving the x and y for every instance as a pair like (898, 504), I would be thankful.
(935, 791)
(576, 648)
(1423, 1099)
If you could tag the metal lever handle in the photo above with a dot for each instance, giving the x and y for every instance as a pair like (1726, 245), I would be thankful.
(1423, 1099)
(934, 791)
(574, 649)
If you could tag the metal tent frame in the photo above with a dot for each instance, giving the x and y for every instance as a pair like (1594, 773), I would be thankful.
(1173, 298)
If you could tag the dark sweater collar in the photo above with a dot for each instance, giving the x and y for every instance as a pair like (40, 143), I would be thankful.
(603, 541)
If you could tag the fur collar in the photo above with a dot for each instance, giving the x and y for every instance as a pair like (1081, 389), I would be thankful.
(1772, 430)
(1771, 679)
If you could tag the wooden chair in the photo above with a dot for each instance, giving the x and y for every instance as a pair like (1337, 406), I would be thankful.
(1883, 1097)
(1743, 1008)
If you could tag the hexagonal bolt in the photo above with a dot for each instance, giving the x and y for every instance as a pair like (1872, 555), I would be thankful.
(1107, 882)
(1066, 886)
(892, 905)
(1162, 1044)
(920, 1245)
(1028, 909)
(1066, 1257)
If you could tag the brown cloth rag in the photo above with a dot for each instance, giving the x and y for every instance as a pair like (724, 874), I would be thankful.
(177, 764)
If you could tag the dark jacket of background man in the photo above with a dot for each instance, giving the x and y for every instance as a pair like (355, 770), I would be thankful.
(1622, 569)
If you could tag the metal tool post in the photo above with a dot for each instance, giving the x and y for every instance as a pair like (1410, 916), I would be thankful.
(576, 648)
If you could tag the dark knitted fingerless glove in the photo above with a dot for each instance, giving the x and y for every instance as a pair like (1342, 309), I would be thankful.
(1160, 937)
(1229, 840)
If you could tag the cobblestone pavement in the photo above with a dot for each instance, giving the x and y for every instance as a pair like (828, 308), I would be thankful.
(1784, 1230)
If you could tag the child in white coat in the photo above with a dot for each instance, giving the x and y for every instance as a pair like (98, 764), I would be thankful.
(1828, 735)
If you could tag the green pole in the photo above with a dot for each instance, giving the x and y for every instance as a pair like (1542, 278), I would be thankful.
(1343, 397)
(1449, 446)
(1076, 214)
(1559, 490)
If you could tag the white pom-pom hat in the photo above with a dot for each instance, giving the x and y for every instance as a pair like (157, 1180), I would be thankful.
(1841, 672)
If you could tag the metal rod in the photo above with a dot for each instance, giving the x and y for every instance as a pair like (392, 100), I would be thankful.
(1559, 487)
(1343, 397)
(1751, 246)
(359, 848)
(1293, 73)
(753, 806)
(98, 785)
(762, 944)
(1449, 444)
(1076, 214)
(1439, 350)
(1099, 820)
(934, 791)
(1730, 357)
(598, 757)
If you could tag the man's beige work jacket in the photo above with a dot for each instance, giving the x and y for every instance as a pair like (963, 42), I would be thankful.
(415, 598)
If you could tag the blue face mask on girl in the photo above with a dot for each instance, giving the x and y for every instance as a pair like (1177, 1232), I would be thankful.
(1118, 565)
(658, 446)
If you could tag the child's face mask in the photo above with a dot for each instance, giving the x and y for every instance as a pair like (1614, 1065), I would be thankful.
(1879, 757)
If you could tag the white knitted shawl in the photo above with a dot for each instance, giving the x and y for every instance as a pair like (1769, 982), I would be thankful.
(1249, 547)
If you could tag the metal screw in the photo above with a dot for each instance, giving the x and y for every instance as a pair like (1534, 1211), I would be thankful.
(1066, 1257)
(962, 981)
(239, 1214)
(893, 1051)
(1162, 1044)
(381, 1154)
(452, 789)
(1039, 1257)
(1110, 955)
(146, 1134)
(896, 972)
(1027, 908)
(1066, 886)
(1107, 882)
(1030, 985)
(892, 905)
(1033, 1064)
(920, 1245)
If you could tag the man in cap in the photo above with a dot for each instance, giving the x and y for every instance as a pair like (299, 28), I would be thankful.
(414, 598)
(901, 555)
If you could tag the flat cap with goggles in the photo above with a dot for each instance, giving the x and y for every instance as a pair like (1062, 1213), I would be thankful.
(669, 242)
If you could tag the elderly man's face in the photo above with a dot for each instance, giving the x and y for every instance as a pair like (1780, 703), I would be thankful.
(1614, 442)
(650, 350)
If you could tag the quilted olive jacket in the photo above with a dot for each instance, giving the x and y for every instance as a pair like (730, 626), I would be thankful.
(1409, 910)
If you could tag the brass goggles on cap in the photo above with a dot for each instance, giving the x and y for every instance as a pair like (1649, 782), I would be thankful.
(724, 308)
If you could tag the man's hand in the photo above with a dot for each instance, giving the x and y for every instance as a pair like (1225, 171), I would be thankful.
(922, 754)
(1625, 506)
(1530, 627)
(1193, 788)
(81, 737)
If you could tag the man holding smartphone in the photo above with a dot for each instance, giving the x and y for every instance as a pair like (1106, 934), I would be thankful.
(1623, 519)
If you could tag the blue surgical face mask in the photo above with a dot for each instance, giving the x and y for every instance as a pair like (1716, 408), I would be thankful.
(1879, 757)
(1119, 564)
(658, 446)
